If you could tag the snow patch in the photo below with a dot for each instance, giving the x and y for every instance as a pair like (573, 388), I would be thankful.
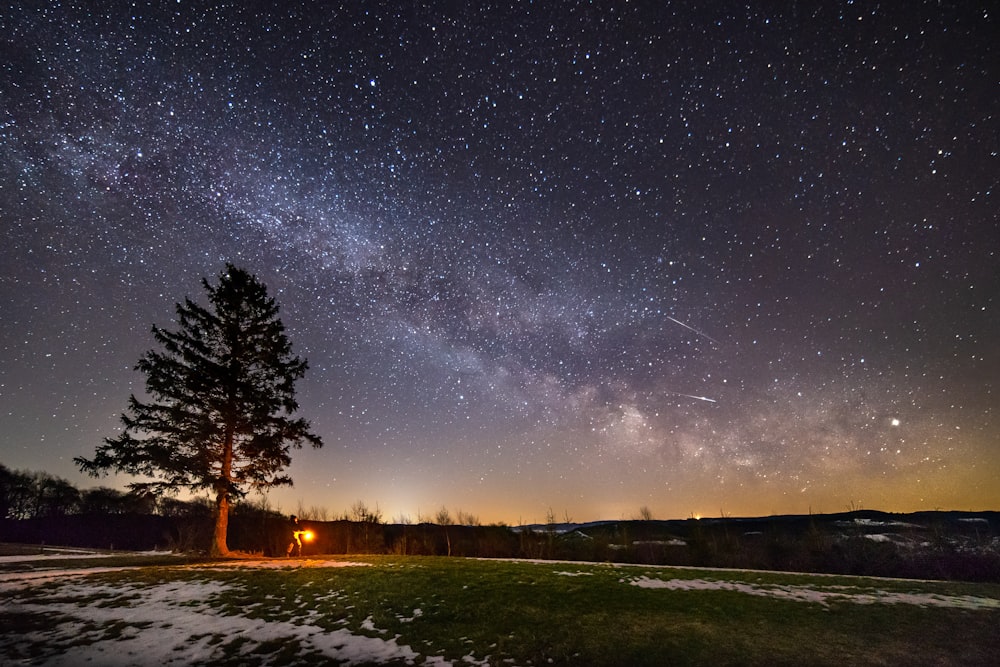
(417, 613)
(176, 624)
(848, 594)
(878, 537)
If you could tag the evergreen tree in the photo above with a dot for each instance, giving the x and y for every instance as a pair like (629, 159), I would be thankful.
(222, 392)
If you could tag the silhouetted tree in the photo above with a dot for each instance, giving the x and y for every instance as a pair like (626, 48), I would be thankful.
(6, 488)
(32, 495)
(102, 500)
(361, 513)
(15, 493)
(55, 496)
(367, 519)
(443, 518)
(222, 394)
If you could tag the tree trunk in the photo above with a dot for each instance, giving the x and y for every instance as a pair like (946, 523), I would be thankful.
(219, 546)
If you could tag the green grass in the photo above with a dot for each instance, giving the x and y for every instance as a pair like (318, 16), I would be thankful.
(534, 614)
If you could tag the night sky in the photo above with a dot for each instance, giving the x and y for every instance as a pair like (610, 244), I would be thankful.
(563, 257)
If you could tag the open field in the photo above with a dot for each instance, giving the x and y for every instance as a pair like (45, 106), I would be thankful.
(72, 608)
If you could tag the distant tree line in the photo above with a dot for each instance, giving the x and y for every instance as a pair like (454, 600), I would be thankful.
(38, 508)
(38, 495)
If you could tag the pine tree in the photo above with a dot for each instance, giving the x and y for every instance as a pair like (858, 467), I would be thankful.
(222, 393)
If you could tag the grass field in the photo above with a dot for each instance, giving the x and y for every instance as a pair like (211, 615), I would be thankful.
(158, 610)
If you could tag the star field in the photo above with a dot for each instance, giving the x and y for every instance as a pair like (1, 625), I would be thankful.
(561, 256)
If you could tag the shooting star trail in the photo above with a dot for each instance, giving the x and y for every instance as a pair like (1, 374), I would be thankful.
(687, 326)
(697, 398)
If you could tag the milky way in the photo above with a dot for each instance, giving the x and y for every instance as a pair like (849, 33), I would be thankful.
(560, 259)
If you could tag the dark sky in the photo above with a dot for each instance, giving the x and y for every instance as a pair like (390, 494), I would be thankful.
(556, 257)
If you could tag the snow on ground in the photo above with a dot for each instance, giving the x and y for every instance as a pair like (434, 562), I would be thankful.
(13, 580)
(182, 622)
(824, 596)
(61, 555)
(173, 623)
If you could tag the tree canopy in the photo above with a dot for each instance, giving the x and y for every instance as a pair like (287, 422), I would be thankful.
(221, 395)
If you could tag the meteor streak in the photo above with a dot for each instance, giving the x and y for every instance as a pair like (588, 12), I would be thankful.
(697, 398)
(700, 333)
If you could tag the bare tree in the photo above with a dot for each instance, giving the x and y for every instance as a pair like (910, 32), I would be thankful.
(361, 513)
(466, 519)
(443, 518)
(302, 512)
